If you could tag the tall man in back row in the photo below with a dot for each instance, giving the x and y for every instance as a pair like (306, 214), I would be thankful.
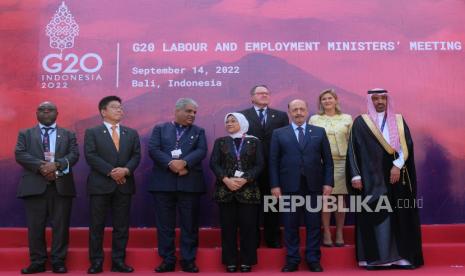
(381, 165)
(262, 121)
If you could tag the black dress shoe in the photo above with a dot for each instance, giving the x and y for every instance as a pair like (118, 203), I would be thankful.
(33, 268)
(121, 267)
(95, 268)
(290, 268)
(395, 266)
(315, 267)
(378, 267)
(274, 244)
(190, 267)
(246, 268)
(231, 268)
(59, 268)
(164, 267)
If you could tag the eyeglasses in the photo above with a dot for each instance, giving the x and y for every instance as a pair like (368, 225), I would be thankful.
(262, 93)
(116, 107)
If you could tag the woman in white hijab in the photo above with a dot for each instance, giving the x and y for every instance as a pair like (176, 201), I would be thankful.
(236, 161)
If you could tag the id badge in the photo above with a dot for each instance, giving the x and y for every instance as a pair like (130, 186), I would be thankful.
(49, 156)
(175, 154)
(238, 173)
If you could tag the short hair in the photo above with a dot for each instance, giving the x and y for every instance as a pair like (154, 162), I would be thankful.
(106, 100)
(182, 102)
(332, 92)
(289, 103)
(252, 91)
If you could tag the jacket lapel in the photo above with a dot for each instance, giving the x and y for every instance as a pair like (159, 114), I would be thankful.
(230, 141)
(308, 131)
(37, 138)
(253, 115)
(185, 136)
(59, 138)
(291, 131)
(107, 136)
(270, 117)
(123, 138)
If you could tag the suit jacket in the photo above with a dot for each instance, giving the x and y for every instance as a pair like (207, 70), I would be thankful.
(29, 153)
(193, 145)
(275, 119)
(223, 162)
(102, 157)
(289, 161)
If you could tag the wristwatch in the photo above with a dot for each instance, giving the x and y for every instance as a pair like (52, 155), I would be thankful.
(58, 173)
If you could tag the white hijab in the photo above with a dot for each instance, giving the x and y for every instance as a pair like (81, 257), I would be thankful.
(243, 123)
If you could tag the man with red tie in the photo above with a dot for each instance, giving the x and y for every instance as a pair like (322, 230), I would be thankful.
(47, 152)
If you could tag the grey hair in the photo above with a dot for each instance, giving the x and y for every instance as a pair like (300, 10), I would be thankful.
(182, 102)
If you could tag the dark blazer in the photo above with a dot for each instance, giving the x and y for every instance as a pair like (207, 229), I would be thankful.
(102, 157)
(223, 163)
(193, 145)
(29, 153)
(289, 161)
(275, 119)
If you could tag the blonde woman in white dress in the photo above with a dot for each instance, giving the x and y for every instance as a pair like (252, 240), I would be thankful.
(337, 126)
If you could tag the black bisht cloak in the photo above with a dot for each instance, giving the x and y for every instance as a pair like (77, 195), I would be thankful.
(367, 157)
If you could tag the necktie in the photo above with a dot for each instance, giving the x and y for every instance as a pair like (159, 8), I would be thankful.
(301, 136)
(261, 116)
(46, 139)
(115, 136)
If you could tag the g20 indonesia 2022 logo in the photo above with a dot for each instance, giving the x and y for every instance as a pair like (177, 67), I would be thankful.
(62, 68)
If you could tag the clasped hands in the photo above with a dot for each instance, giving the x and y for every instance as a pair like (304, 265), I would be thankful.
(234, 183)
(178, 166)
(47, 170)
(119, 175)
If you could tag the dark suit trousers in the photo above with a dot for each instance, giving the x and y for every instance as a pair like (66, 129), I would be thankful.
(119, 204)
(312, 223)
(187, 204)
(38, 209)
(243, 217)
(271, 222)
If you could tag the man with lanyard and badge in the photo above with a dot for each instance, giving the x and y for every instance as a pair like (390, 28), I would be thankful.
(380, 165)
(177, 150)
(47, 152)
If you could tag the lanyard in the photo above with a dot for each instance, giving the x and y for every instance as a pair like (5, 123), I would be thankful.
(238, 152)
(179, 135)
(384, 122)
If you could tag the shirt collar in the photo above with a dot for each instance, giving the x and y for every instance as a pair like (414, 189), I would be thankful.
(108, 125)
(52, 126)
(381, 114)
(257, 109)
(295, 126)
